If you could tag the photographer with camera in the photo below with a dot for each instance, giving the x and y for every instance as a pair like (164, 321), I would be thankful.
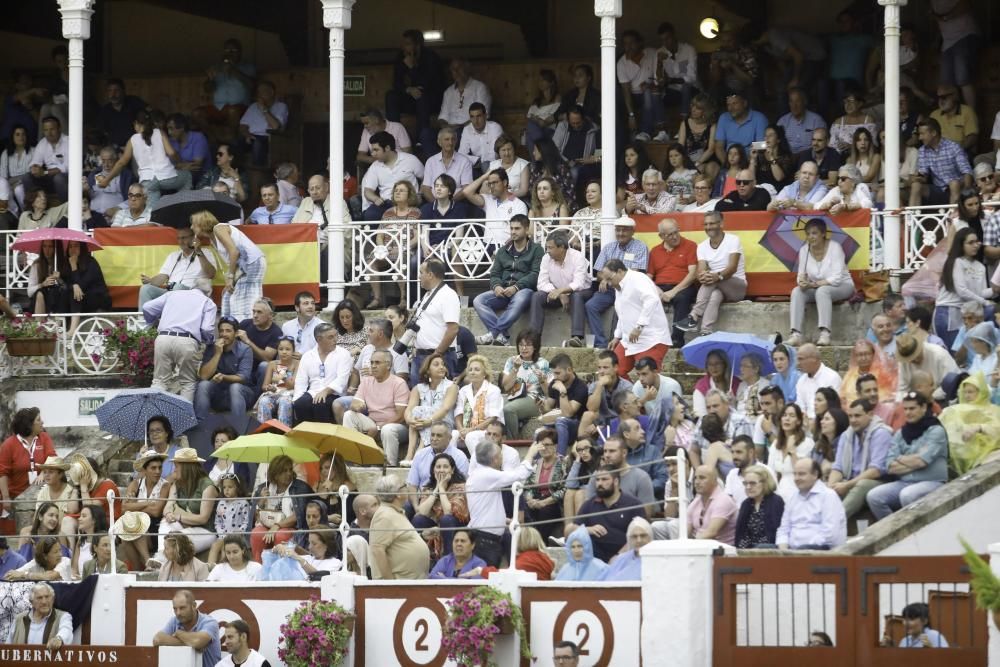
(434, 323)
(187, 268)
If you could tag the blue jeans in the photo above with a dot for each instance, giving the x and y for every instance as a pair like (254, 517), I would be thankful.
(487, 303)
(885, 499)
(222, 396)
(595, 307)
(566, 429)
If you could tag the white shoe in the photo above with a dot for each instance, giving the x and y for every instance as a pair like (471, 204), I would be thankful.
(485, 339)
(405, 463)
(642, 136)
(557, 541)
(824, 337)
(501, 340)
(661, 136)
(794, 340)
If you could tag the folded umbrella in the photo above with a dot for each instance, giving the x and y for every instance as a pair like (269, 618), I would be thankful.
(347, 443)
(176, 210)
(127, 414)
(264, 447)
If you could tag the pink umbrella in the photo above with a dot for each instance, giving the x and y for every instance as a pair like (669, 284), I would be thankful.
(32, 241)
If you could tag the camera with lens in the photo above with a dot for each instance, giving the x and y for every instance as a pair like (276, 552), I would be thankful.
(404, 341)
(169, 286)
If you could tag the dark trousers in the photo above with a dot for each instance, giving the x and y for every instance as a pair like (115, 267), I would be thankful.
(398, 102)
(544, 514)
(577, 301)
(374, 213)
(420, 522)
(489, 547)
(57, 184)
(682, 304)
(306, 411)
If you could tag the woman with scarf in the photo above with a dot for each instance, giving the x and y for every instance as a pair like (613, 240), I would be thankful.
(973, 425)
(581, 565)
(786, 374)
(867, 359)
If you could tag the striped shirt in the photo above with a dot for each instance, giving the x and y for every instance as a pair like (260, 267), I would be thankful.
(634, 255)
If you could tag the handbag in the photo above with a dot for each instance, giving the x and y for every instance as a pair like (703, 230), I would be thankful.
(270, 517)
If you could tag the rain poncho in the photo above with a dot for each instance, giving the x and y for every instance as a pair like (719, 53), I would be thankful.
(587, 568)
(883, 368)
(977, 415)
(789, 378)
(983, 332)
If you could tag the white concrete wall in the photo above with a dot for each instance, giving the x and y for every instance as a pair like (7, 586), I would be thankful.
(940, 538)
(62, 407)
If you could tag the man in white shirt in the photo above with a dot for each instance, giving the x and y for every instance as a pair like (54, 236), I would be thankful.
(375, 122)
(677, 69)
(437, 317)
(636, 71)
(322, 377)
(563, 281)
(456, 105)
(642, 325)
(721, 272)
(814, 517)
(804, 193)
(744, 455)
(389, 168)
(449, 162)
(186, 268)
(500, 204)
(480, 136)
(37, 619)
(482, 488)
(815, 374)
(137, 213)
(265, 115)
(303, 327)
(49, 167)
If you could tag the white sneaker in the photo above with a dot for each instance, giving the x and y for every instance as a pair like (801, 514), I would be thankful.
(662, 136)
(501, 340)
(642, 136)
(557, 541)
(794, 340)
(485, 339)
(824, 337)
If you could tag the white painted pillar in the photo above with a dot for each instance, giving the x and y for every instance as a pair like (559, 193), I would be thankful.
(993, 645)
(891, 225)
(677, 599)
(608, 11)
(108, 604)
(178, 656)
(76, 28)
(339, 587)
(337, 19)
(508, 647)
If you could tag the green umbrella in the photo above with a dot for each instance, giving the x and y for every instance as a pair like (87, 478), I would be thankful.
(264, 447)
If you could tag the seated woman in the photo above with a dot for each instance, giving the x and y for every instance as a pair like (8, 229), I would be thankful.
(586, 459)
(919, 633)
(549, 163)
(547, 202)
(238, 565)
(280, 505)
(45, 524)
(406, 206)
(57, 489)
(963, 278)
(849, 195)
(440, 215)
(786, 373)
(775, 165)
(160, 440)
(843, 128)
(44, 281)
(823, 278)
(101, 563)
(233, 514)
(37, 214)
(752, 382)
(790, 444)
(333, 474)
(826, 398)
(973, 426)
(180, 563)
(717, 376)
(831, 425)
(48, 564)
(588, 219)
(907, 160)
(543, 112)
(461, 563)
(581, 565)
(865, 156)
(681, 429)
(93, 522)
(316, 519)
(531, 556)
(982, 339)
(524, 380)
(760, 514)
(350, 325)
(516, 167)
(543, 498)
(478, 401)
(216, 467)
(190, 506)
(85, 290)
(736, 161)
(441, 504)
(867, 359)
(432, 399)
(634, 163)
(627, 565)
(275, 401)
(321, 555)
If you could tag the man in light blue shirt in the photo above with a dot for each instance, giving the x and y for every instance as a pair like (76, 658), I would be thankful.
(814, 517)
(738, 125)
(185, 321)
(273, 212)
(441, 443)
(799, 122)
(803, 193)
(190, 627)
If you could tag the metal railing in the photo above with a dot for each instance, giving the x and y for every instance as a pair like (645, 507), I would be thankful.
(923, 228)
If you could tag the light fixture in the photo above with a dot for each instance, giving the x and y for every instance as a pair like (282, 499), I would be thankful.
(433, 35)
(709, 28)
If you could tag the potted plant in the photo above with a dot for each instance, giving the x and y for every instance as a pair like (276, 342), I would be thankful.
(985, 583)
(475, 618)
(316, 634)
(133, 349)
(28, 336)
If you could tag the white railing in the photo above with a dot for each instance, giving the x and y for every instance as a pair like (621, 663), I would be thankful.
(923, 228)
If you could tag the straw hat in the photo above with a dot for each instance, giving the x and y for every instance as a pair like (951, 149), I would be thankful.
(143, 460)
(54, 463)
(908, 347)
(187, 455)
(130, 526)
(79, 468)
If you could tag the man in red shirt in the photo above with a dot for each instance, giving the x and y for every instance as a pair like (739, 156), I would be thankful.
(20, 456)
(672, 266)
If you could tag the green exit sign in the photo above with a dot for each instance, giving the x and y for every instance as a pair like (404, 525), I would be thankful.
(88, 405)
(354, 85)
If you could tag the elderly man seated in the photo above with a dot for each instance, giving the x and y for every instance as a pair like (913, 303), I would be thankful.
(189, 267)
(654, 198)
(42, 624)
(137, 213)
(814, 517)
(747, 196)
(225, 377)
(377, 407)
(804, 193)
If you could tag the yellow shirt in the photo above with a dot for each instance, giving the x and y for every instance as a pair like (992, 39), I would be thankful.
(957, 126)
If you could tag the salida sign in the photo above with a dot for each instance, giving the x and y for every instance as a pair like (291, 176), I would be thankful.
(90, 655)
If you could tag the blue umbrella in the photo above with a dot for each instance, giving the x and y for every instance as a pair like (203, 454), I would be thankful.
(734, 345)
(126, 414)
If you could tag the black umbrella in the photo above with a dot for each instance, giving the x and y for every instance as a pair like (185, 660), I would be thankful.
(176, 210)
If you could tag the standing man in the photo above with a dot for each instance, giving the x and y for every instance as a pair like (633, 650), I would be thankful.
(225, 375)
(398, 551)
(861, 456)
(378, 406)
(480, 136)
(42, 624)
(273, 212)
(721, 275)
(261, 335)
(417, 85)
(642, 326)
(634, 254)
(673, 266)
(116, 116)
(448, 161)
(189, 267)
(562, 282)
(677, 69)
(568, 394)
(303, 327)
(237, 643)
(388, 168)
(435, 318)
(190, 627)
(456, 105)
(815, 374)
(49, 166)
(185, 322)
(322, 377)
(814, 517)
(636, 71)
(513, 279)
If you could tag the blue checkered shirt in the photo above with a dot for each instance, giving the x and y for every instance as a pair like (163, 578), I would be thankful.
(947, 163)
(636, 249)
(991, 229)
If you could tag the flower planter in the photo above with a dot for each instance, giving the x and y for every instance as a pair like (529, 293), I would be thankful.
(506, 625)
(30, 347)
(996, 618)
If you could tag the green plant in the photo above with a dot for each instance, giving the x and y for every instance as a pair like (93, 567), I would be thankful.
(316, 634)
(474, 619)
(985, 582)
(26, 326)
(133, 348)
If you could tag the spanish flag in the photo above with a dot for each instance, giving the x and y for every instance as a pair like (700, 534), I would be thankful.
(291, 250)
(771, 242)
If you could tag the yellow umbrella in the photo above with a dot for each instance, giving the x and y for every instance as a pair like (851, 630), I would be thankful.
(351, 445)
(264, 447)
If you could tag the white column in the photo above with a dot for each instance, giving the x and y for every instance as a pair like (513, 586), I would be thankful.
(336, 18)
(677, 599)
(608, 11)
(76, 28)
(891, 230)
(993, 645)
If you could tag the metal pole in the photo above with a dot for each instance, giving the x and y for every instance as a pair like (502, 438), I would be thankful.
(608, 11)
(682, 501)
(517, 488)
(337, 18)
(891, 231)
(111, 531)
(76, 28)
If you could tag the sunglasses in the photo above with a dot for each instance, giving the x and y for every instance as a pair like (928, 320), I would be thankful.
(983, 179)
(740, 181)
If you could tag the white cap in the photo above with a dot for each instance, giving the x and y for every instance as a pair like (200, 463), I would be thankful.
(624, 221)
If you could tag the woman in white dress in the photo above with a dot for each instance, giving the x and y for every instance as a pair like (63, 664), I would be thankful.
(822, 277)
(479, 400)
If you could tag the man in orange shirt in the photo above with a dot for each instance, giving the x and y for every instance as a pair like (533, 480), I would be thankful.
(672, 266)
